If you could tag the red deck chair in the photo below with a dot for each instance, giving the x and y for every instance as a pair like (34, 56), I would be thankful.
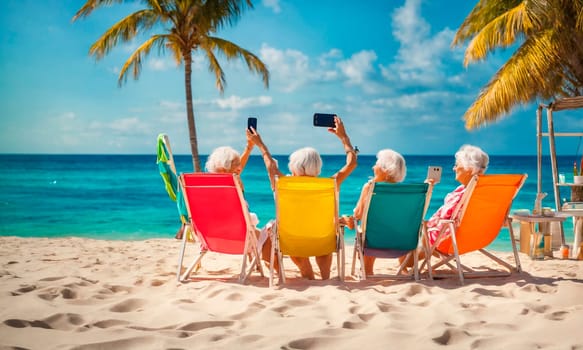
(219, 217)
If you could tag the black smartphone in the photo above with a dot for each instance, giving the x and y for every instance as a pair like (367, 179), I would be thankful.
(323, 119)
(252, 123)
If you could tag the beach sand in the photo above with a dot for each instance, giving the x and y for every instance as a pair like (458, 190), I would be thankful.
(75, 293)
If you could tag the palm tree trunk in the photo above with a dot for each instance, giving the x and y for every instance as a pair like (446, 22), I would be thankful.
(190, 111)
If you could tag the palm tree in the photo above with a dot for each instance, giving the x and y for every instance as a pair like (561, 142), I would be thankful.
(188, 25)
(548, 60)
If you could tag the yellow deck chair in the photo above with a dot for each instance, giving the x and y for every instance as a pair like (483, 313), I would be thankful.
(476, 222)
(306, 221)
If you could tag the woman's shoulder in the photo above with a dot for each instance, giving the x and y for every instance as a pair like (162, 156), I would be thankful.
(367, 184)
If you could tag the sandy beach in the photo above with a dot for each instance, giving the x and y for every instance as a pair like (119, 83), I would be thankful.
(76, 293)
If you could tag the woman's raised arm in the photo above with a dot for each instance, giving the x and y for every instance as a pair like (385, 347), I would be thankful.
(351, 161)
(270, 163)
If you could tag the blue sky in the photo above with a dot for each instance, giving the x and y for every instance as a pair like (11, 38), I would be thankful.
(386, 67)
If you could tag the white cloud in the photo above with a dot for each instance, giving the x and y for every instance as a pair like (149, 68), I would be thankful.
(272, 4)
(160, 64)
(67, 116)
(322, 107)
(407, 25)
(289, 68)
(66, 121)
(330, 55)
(121, 126)
(359, 70)
(198, 61)
(130, 46)
(171, 105)
(237, 102)
(424, 100)
(420, 57)
(358, 66)
(125, 124)
(172, 112)
(74, 133)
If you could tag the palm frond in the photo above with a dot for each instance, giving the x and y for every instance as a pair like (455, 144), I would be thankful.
(159, 6)
(500, 32)
(525, 76)
(134, 62)
(224, 12)
(124, 30)
(91, 5)
(176, 50)
(482, 14)
(215, 68)
(233, 51)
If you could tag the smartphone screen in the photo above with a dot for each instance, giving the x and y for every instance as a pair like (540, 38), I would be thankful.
(252, 123)
(324, 119)
(434, 172)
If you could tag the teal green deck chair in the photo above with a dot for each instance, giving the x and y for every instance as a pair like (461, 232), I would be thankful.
(392, 225)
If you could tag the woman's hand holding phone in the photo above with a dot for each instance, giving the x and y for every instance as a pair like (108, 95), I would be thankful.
(433, 174)
(324, 120)
(252, 123)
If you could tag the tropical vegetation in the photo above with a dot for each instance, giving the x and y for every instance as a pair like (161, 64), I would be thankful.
(547, 63)
(187, 26)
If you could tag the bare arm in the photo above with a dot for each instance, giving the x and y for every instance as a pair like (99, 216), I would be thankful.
(351, 162)
(359, 208)
(270, 163)
(246, 153)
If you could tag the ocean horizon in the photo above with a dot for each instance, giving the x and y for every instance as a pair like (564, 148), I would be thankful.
(122, 197)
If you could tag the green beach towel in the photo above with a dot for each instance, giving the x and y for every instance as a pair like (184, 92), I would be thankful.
(168, 175)
(168, 172)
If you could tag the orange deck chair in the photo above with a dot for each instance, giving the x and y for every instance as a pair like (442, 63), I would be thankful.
(476, 222)
(219, 217)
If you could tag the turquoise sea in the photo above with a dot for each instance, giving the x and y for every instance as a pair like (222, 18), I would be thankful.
(123, 197)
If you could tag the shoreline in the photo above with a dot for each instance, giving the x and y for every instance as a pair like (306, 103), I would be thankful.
(79, 293)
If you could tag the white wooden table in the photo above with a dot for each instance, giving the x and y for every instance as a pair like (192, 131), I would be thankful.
(577, 214)
(543, 227)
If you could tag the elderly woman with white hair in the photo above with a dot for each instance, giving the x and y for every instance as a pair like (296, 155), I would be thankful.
(307, 162)
(227, 160)
(390, 167)
(469, 161)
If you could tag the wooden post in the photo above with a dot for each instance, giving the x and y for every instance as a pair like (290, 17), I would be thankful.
(577, 196)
